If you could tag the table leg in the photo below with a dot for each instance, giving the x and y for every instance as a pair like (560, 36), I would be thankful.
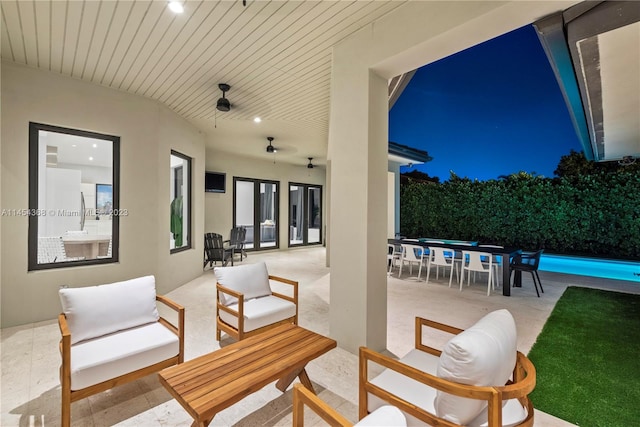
(506, 274)
(286, 381)
(202, 423)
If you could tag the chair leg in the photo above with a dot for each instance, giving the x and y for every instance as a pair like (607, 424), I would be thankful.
(539, 282)
(535, 284)
(66, 406)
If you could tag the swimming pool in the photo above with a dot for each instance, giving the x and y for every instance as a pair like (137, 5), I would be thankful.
(594, 267)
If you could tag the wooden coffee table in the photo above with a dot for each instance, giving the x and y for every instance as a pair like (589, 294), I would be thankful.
(210, 383)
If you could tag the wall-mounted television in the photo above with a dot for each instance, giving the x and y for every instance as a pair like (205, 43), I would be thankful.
(214, 182)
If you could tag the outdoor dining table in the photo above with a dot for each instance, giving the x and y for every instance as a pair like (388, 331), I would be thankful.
(506, 253)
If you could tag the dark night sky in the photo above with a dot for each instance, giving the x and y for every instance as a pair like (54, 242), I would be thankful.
(491, 110)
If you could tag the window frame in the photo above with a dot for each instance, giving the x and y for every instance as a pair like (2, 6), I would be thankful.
(305, 217)
(189, 161)
(256, 211)
(32, 243)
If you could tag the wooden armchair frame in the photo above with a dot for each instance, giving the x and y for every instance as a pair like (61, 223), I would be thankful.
(69, 396)
(238, 333)
(524, 381)
(303, 396)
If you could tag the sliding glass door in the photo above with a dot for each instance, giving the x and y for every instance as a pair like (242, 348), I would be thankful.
(305, 214)
(255, 207)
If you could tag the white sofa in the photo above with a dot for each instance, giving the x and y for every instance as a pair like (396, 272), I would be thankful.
(113, 334)
(478, 379)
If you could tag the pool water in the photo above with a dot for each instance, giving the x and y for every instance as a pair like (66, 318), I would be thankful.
(605, 268)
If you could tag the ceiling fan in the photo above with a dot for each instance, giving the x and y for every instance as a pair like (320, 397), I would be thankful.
(310, 165)
(270, 147)
(223, 103)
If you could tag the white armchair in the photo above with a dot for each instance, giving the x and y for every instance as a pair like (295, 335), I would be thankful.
(245, 303)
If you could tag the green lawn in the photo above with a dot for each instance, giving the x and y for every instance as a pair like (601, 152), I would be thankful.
(587, 359)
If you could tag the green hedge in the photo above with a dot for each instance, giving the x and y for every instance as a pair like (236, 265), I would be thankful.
(597, 215)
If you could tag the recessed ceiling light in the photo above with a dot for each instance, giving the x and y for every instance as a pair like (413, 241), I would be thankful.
(74, 145)
(95, 145)
(257, 120)
(176, 7)
(91, 158)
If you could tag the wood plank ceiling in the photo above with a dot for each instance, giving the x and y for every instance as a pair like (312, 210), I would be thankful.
(276, 55)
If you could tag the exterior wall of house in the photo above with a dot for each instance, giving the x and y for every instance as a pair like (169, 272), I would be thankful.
(148, 132)
(219, 206)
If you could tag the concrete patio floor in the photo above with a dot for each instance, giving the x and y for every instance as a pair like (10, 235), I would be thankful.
(30, 390)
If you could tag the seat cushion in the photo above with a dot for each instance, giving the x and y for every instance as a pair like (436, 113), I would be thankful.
(385, 416)
(513, 413)
(251, 280)
(94, 311)
(109, 356)
(261, 312)
(406, 388)
(482, 355)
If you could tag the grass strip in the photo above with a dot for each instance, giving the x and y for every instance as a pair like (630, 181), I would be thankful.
(587, 359)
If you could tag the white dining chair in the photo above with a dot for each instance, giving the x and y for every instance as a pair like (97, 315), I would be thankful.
(412, 254)
(441, 257)
(481, 262)
(497, 261)
(457, 258)
(394, 257)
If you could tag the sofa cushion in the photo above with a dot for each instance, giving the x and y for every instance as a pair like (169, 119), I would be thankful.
(483, 355)
(404, 387)
(385, 416)
(94, 311)
(260, 312)
(251, 280)
(109, 356)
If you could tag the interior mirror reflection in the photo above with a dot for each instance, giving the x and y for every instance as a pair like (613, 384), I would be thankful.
(73, 197)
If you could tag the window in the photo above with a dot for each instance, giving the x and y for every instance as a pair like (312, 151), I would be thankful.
(74, 209)
(180, 202)
(255, 207)
(305, 214)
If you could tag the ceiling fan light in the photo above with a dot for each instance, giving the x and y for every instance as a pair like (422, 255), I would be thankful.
(223, 104)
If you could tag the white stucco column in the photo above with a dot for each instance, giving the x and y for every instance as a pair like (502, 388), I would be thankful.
(358, 153)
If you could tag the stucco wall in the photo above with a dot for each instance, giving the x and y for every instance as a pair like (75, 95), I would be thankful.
(148, 132)
(219, 206)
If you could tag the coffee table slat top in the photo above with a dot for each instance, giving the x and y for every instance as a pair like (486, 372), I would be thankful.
(212, 382)
(223, 363)
(263, 369)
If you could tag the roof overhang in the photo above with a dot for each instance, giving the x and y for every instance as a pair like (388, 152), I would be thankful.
(405, 155)
(594, 50)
